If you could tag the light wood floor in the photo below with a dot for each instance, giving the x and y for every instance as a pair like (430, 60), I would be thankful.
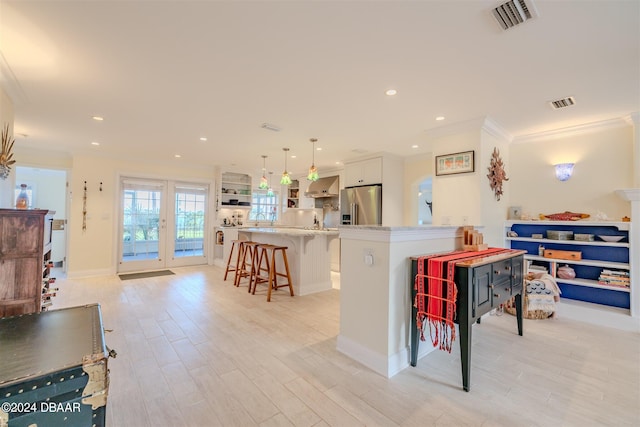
(195, 351)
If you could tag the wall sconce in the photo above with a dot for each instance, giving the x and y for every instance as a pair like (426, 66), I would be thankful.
(564, 171)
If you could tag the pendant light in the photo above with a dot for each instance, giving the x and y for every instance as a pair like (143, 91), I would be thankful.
(270, 190)
(286, 179)
(263, 181)
(313, 171)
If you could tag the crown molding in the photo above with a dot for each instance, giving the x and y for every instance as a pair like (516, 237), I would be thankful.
(576, 130)
(478, 124)
(493, 128)
(633, 119)
(10, 84)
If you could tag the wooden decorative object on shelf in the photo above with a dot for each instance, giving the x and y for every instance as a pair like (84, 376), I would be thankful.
(473, 240)
(570, 255)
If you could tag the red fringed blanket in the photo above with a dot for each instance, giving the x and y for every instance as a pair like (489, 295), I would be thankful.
(437, 295)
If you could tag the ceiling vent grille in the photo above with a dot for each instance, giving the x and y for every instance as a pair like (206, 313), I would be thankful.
(563, 103)
(514, 12)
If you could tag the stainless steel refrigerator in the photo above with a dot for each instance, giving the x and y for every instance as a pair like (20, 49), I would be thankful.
(361, 205)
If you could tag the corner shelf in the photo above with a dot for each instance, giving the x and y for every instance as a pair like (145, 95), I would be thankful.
(597, 256)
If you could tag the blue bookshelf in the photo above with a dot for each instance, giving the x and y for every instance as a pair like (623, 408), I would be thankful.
(597, 255)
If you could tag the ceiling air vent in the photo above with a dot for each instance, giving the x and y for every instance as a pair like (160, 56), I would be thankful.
(562, 103)
(514, 12)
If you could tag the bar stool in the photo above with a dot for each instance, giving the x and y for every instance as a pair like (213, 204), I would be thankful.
(236, 245)
(270, 252)
(246, 262)
(262, 270)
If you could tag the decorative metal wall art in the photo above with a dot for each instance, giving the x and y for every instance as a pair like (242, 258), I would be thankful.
(6, 156)
(496, 173)
(84, 208)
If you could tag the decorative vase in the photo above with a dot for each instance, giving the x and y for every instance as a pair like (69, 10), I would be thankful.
(22, 201)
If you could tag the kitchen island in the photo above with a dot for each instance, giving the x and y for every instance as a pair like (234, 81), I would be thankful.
(308, 254)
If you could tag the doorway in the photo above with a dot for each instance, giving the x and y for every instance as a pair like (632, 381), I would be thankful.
(47, 189)
(162, 224)
(425, 202)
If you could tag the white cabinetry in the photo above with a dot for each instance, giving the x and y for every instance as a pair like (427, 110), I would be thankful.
(235, 190)
(364, 172)
(599, 262)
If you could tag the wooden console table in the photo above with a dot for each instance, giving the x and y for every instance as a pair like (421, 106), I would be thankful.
(483, 284)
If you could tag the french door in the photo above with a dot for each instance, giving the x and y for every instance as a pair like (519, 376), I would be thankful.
(162, 224)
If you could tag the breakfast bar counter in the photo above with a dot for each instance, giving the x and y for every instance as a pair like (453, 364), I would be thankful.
(308, 254)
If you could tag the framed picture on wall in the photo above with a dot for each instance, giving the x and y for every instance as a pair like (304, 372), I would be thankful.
(449, 164)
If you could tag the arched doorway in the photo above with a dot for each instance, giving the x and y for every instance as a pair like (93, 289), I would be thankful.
(425, 202)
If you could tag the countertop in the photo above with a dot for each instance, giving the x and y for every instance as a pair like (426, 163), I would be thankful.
(291, 231)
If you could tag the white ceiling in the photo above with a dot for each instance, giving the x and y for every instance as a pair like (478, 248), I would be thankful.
(165, 73)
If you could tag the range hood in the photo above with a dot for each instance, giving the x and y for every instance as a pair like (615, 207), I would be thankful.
(324, 187)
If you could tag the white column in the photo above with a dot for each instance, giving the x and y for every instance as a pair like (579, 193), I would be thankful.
(633, 195)
(634, 119)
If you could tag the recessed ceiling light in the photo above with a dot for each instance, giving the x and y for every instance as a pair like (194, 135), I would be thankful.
(203, 138)
(415, 146)
(293, 156)
(95, 143)
(337, 163)
(440, 118)
(391, 92)
(177, 156)
(98, 118)
(319, 149)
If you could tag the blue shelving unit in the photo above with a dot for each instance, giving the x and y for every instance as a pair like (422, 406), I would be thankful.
(596, 256)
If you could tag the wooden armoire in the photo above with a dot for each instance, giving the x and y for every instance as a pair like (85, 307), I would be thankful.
(25, 254)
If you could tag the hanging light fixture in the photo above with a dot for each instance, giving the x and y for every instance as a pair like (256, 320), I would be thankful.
(263, 181)
(270, 190)
(313, 171)
(286, 179)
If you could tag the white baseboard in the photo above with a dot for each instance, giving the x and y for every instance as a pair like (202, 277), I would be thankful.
(379, 363)
(598, 314)
(91, 273)
(314, 288)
